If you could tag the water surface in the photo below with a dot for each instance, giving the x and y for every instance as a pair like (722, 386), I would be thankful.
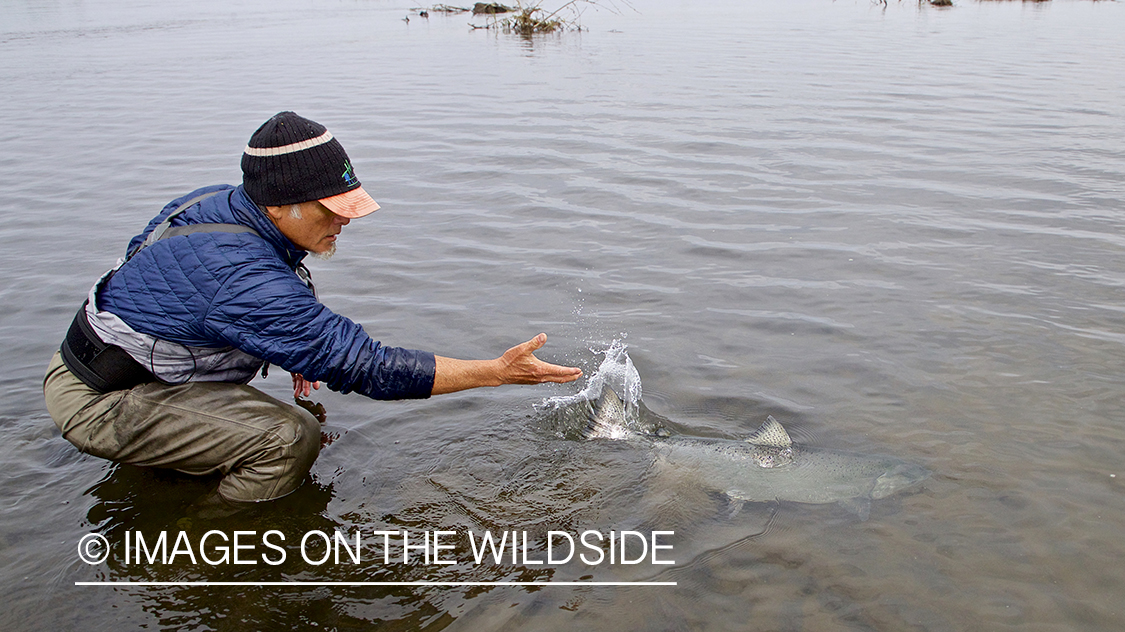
(896, 230)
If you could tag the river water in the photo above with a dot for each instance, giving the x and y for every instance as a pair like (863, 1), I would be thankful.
(898, 230)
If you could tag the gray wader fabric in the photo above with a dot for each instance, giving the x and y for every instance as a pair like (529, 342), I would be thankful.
(261, 446)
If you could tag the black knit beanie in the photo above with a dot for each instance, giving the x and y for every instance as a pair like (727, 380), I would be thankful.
(291, 160)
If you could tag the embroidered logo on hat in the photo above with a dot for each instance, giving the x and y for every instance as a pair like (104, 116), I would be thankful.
(349, 177)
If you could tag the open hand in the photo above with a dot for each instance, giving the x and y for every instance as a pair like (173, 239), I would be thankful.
(519, 365)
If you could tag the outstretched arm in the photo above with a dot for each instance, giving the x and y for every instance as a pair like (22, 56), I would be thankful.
(518, 365)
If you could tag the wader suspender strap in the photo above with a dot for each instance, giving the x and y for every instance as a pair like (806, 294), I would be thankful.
(105, 367)
(165, 229)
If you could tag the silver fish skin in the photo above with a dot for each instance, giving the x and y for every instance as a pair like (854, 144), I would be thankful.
(814, 475)
(768, 466)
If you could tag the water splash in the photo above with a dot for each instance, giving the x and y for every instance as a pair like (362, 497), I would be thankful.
(616, 371)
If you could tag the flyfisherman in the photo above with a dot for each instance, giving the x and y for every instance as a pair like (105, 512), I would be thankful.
(154, 368)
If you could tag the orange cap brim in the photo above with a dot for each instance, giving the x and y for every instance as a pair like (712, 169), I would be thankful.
(353, 204)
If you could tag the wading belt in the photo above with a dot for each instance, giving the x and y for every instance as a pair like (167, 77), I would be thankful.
(105, 367)
(102, 367)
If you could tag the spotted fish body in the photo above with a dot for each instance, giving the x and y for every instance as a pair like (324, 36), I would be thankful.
(767, 466)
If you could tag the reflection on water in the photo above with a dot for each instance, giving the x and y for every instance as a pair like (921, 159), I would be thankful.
(896, 229)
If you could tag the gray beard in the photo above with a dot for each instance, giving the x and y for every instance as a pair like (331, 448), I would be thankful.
(326, 255)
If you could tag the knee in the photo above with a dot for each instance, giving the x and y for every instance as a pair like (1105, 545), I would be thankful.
(279, 465)
(306, 438)
(298, 437)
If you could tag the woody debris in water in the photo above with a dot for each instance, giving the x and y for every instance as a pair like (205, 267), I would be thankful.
(490, 7)
(530, 18)
(445, 8)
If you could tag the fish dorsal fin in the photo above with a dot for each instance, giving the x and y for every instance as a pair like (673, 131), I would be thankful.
(771, 433)
(608, 417)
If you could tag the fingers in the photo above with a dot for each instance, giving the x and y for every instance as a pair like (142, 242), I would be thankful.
(561, 374)
(524, 368)
(556, 372)
(303, 387)
(528, 347)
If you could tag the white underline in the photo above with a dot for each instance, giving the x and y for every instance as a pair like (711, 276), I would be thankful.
(422, 583)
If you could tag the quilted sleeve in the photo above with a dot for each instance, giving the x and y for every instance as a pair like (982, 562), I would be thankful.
(263, 309)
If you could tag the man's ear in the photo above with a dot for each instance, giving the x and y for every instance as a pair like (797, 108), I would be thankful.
(275, 213)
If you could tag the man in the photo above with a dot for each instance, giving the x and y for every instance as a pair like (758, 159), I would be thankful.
(155, 366)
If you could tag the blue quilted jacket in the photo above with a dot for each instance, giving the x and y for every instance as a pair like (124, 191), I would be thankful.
(214, 289)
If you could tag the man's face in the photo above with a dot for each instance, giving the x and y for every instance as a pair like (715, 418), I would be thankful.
(316, 229)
